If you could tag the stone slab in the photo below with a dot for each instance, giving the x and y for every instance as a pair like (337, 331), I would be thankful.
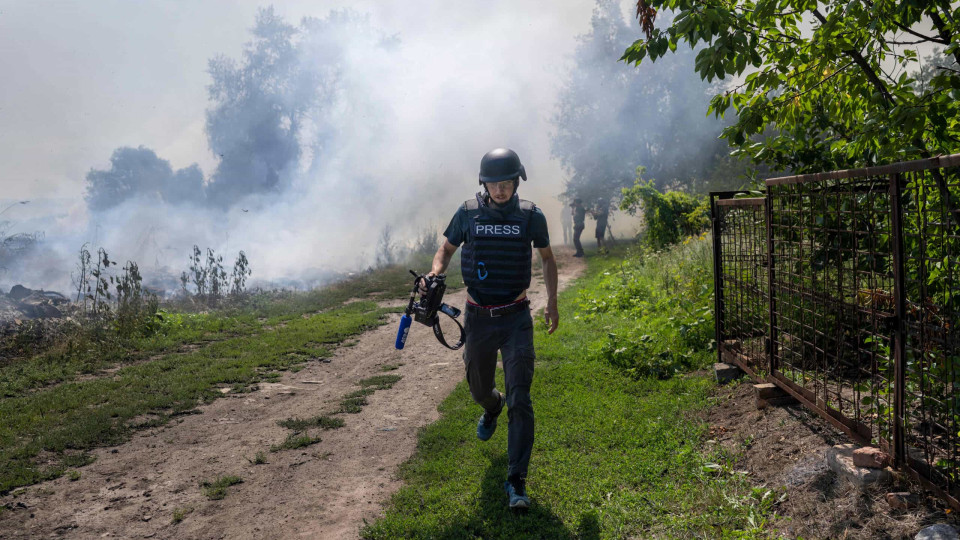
(840, 461)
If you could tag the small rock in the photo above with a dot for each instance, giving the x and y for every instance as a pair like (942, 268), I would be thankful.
(840, 461)
(147, 518)
(871, 457)
(940, 531)
(902, 500)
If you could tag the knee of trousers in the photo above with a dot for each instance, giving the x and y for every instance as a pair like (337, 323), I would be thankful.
(519, 401)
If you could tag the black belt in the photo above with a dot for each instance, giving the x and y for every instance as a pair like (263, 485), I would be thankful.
(498, 311)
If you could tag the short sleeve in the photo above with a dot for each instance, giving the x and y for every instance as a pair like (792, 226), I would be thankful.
(455, 230)
(538, 229)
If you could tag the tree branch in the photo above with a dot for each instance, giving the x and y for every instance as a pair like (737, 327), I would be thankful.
(864, 65)
(942, 30)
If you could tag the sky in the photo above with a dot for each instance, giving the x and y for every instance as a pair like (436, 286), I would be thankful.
(83, 78)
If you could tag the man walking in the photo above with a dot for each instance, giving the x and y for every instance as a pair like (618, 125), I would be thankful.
(496, 229)
(579, 215)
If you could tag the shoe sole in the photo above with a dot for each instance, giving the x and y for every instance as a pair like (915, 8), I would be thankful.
(520, 505)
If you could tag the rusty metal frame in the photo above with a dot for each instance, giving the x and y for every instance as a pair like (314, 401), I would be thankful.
(913, 357)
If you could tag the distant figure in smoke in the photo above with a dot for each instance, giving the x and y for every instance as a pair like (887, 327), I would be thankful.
(496, 229)
(579, 214)
(566, 222)
(601, 214)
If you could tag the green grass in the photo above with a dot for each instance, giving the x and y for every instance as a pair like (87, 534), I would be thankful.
(179, 514)
(380, 382)
(217, 489)
(301, 424)
(260, 458)
(294, 441)
(352, 405)
(390, 367)
(615, 456)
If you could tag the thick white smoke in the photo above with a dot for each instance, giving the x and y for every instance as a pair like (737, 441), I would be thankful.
(395, 145)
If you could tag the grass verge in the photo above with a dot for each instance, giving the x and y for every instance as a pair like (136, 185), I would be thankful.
(616, 455)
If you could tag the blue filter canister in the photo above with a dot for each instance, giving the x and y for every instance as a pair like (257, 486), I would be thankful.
(403, 330)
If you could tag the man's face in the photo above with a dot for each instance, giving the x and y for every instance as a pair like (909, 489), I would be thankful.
(500, 192)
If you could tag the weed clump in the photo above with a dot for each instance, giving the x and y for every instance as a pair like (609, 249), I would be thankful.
(352, 405)
(217, 489)
(180, 513)
(295, 441)
(301, 424)
(380, 382)
(259, 459)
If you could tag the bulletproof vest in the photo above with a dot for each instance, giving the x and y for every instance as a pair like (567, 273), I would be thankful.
(495, 258)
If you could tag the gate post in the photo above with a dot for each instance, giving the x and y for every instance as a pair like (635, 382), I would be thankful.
(717, 275)
(898, 339)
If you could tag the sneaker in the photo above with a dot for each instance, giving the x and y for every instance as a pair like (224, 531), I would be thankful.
(517, 493)
(488, 423)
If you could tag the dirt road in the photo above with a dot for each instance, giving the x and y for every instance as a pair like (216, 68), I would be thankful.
(326, 490)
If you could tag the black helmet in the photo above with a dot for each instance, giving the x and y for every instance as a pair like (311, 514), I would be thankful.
(501, 164)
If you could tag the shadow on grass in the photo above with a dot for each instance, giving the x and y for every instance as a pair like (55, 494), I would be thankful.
(493, 519)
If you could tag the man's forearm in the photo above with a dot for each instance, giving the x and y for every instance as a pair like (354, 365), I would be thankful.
(550, 278)
(441, 259)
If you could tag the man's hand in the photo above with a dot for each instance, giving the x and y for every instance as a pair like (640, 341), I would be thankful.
(552, 315)
(423, 282)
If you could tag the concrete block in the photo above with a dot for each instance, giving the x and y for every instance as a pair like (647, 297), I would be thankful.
(726, 372)
(871, 457)
(940, 531)
(840, 461)
(768, 390)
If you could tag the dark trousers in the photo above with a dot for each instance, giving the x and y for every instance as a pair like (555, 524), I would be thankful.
(512, 335)
(577, 230)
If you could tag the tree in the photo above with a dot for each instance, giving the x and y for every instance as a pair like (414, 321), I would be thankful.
(825, 84)
(277, 101)
(139, 172)
(613, 118)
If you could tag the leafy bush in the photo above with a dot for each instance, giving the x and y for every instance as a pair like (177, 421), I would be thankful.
(659, 305)
(669, 216)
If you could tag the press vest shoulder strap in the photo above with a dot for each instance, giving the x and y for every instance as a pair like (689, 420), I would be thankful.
(472, 206)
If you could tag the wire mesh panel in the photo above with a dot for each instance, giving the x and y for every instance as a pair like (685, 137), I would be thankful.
(833, 308)
(931, 311)
(743, 271)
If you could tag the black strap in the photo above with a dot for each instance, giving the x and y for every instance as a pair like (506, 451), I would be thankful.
(439, 333)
